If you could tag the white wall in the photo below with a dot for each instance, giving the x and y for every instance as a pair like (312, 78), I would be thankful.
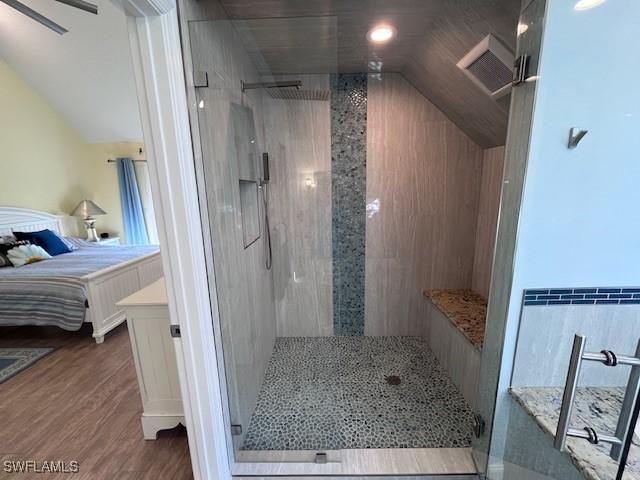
(86, 75)
(579, 223)
(47, 165)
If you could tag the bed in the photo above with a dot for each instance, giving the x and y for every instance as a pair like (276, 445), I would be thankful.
(93, 278)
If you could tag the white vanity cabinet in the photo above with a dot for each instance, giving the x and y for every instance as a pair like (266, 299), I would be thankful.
(154, 355)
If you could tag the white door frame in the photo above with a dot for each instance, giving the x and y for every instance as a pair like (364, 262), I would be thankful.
(160, 81)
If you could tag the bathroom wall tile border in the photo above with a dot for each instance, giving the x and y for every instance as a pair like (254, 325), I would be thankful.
(539, 297)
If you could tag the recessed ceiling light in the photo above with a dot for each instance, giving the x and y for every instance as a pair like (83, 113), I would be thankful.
(522, 27)
(381, 33)
(587, 4)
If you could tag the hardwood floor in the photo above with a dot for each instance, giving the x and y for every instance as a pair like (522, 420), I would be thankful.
(81, 403)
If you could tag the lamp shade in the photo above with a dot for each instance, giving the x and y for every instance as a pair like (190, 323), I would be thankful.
(86, 208)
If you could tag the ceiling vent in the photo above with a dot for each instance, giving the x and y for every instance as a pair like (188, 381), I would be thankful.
(490, 65)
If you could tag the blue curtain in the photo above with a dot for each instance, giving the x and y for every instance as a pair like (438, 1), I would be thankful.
(135, 230)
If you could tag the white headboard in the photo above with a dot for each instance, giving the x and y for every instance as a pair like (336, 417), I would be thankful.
(25, 220)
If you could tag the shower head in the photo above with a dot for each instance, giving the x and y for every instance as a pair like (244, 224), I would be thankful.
(288, 90)
(270, 85)
(299, 94)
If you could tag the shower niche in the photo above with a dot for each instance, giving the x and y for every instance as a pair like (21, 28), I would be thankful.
(249, 211)
(245, 142)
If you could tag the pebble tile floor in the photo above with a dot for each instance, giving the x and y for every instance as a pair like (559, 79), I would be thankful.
(331, 393)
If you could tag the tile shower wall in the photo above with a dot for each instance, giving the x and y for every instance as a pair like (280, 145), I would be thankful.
(552, 316)
(488, 207)
(396, 189)
(423, 186)
(348, 199)
(299, 144)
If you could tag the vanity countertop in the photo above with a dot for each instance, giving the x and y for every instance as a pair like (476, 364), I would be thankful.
(594, 406)
(151, 295)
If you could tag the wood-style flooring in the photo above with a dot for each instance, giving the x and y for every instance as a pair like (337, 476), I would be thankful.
(81, 403)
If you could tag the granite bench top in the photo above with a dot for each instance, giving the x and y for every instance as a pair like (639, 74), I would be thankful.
(597, 407)
(466, 309)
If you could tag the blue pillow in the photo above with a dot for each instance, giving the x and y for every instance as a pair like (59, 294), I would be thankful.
(46, 239)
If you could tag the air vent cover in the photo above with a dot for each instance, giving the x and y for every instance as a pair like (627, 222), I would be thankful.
(490, 65)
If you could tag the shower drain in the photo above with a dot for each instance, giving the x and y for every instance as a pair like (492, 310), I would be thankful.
(393, 380)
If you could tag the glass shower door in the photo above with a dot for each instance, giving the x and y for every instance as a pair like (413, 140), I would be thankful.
(266, 168)
(232, 140)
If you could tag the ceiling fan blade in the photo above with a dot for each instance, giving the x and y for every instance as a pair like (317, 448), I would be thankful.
(82, 5)
(32, 14)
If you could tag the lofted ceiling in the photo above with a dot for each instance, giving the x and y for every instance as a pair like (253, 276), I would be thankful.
(85, 75)
(321, 36)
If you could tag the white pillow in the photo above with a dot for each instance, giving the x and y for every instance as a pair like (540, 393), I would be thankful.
(26, 254)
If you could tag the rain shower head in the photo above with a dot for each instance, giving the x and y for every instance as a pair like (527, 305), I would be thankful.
(288, 90)
(271, 85)
(299, 94)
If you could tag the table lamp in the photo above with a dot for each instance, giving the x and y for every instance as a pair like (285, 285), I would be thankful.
(87, 210)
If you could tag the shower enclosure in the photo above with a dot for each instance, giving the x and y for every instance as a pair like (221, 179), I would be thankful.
(325, 351)
(338, 194)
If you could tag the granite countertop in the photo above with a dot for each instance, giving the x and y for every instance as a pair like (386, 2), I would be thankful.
(597, 407)
(466, 309)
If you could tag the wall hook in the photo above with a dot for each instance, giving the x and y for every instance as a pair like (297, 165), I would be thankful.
(575, 135)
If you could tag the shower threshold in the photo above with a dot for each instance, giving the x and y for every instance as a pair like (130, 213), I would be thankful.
(383, 462)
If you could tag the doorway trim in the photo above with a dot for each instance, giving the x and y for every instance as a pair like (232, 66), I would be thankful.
(154, 40)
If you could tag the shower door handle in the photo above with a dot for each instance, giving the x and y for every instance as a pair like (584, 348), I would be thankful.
(569, 395)
(610, 359)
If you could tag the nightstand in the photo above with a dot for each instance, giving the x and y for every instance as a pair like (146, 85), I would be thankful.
(109, 241)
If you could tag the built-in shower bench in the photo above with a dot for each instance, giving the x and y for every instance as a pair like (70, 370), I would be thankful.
(454, 325)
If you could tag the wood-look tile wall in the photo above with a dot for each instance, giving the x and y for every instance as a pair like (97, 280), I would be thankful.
(299, 145)
(424, 181)
(456, 354)
(492, 166)
(545, 334)
(423, 187)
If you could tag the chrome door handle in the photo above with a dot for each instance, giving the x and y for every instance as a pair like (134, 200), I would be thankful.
(569, 395)
(609, 358)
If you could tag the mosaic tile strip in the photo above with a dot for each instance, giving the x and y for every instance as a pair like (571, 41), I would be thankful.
(325, 393)
(348, 199)
(582, 296)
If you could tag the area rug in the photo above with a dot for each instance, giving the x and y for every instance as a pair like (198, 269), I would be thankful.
(14, 360)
